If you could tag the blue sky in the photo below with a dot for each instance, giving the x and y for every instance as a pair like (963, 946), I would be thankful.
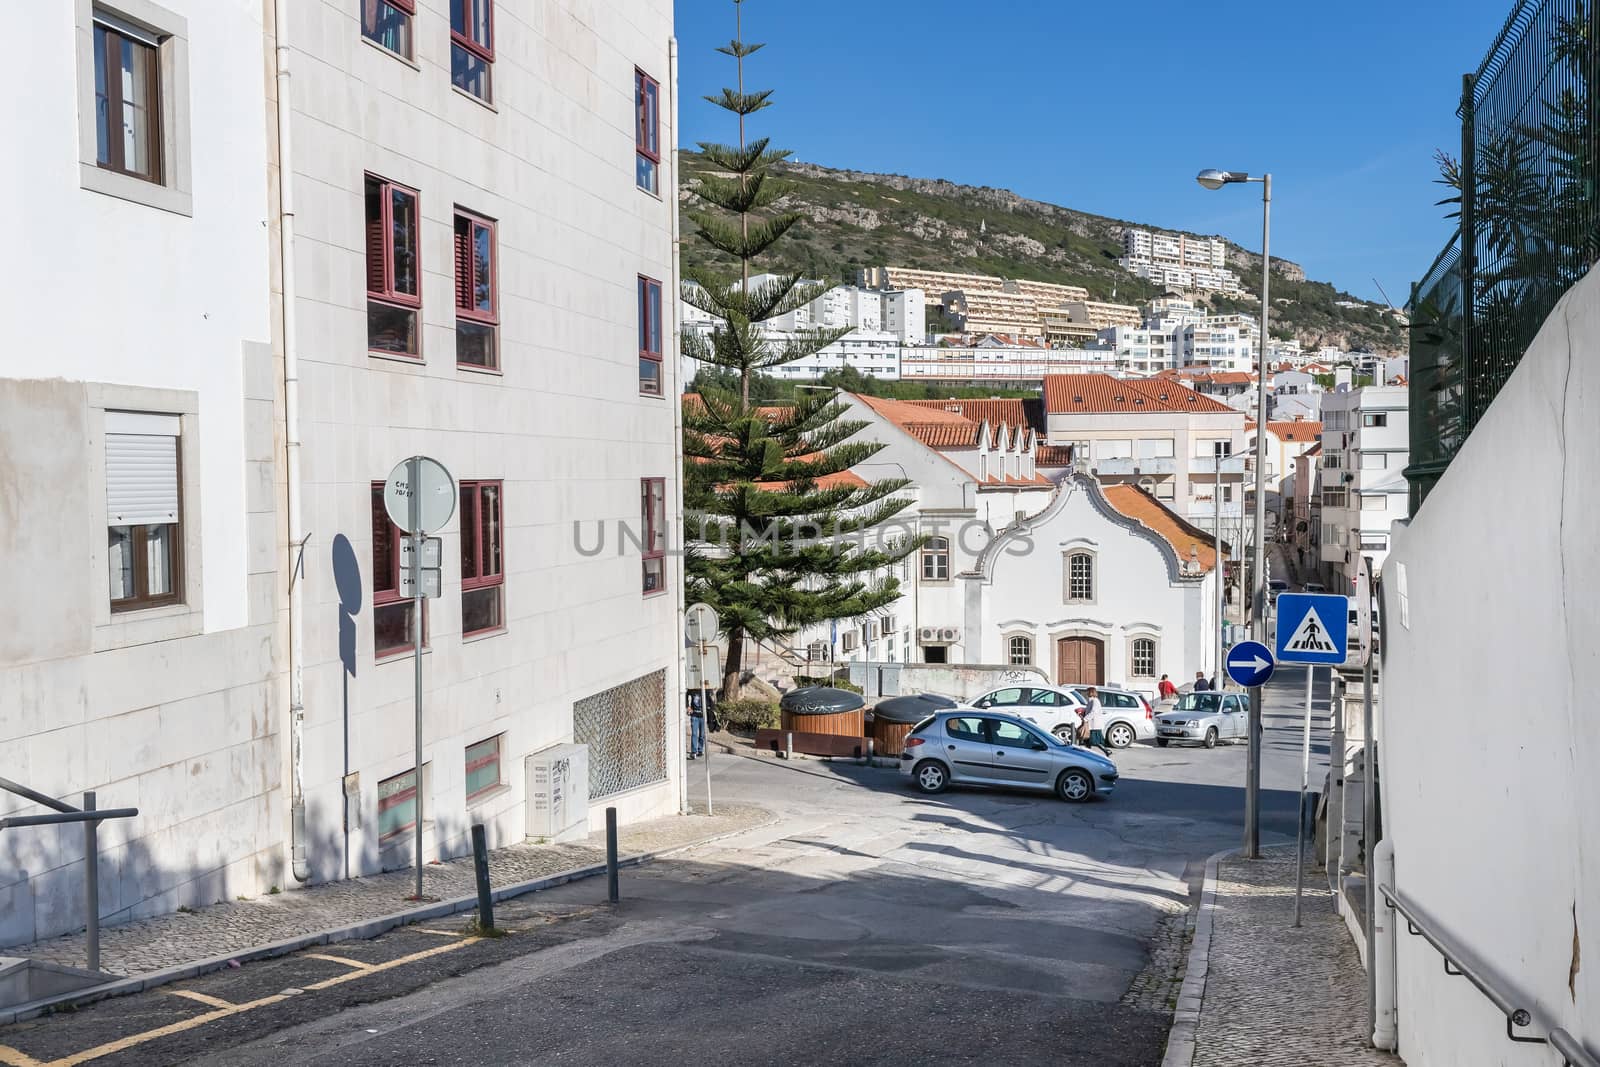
(1113, 107)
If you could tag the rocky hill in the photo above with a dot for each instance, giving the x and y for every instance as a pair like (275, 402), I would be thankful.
(858, 219)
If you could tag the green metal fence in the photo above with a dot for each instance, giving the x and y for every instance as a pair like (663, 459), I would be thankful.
(1529, 223)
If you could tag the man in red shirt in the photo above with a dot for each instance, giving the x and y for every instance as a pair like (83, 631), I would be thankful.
(1166, 689)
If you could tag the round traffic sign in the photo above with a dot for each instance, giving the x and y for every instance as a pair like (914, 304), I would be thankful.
(1250, 663)
(701, 622)
(434, 494)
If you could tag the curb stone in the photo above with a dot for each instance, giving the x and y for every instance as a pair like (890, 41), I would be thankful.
(359, 931)
(1191, 995)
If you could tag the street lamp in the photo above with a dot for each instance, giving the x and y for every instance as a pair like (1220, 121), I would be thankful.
(1216, 179)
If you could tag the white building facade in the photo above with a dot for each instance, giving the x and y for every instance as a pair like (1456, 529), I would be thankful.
(1366, 446)
(484, 248)
(140, 642)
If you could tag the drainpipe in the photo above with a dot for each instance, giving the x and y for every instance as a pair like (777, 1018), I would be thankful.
(1385, 1014)
(291, 419)
(669, 193)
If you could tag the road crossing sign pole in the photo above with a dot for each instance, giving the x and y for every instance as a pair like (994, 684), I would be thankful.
(1312, 629)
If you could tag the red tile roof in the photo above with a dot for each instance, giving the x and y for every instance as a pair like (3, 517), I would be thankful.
(943, 434)
(1139, 505)
(1013, 413)
(1052, 455)
(1102, 393)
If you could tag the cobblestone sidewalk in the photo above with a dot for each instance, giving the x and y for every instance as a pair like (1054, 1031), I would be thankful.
(154, 944)
(1274, 994)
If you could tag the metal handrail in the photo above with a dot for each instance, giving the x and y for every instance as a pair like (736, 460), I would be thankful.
(91, 818)
(1465, 966)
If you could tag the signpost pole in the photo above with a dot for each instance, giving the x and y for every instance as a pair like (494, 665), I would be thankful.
(701, 650)
(414, 477)
(1252, 779)
(1305, 784)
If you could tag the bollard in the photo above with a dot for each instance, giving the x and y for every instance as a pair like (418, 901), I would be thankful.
(868, 760)
(611, 855)
(789, 746)
(91, 884)
(480, 869)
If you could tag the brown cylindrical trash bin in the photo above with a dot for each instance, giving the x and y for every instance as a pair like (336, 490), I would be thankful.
(824, 710)
(894, 719)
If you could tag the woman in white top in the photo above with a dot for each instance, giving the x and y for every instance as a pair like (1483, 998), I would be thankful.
(1094, 713)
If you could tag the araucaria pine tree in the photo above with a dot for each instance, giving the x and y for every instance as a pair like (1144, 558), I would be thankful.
(780, 534)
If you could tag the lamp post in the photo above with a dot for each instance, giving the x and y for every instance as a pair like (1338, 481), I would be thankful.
(1216, 179)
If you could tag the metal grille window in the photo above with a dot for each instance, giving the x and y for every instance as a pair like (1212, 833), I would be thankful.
(1080, 576)
(483, 768)
(1144, 657)
(625, 728)
(1020, 651)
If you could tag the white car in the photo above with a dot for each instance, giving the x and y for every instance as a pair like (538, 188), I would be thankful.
(1059, 709)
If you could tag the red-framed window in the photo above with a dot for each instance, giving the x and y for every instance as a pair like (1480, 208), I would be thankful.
(649, 336)
(388, 23)
(483, 767)
(477, 292)
(653, 524)
(472, 46)
(393, 620)
(646, 131)
(394, 268)
(397, 803)
(483, 573)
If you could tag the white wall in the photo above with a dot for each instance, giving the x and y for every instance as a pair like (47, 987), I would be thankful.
(1139, 591)
(563, 424)
(1488, 737)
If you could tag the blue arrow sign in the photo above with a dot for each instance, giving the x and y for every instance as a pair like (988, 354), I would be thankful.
(1250, 663)
(1313, 627)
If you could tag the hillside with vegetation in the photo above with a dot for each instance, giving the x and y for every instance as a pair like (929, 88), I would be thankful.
(855, 219)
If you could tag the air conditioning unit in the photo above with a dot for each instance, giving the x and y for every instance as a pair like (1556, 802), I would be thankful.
(817, 652)
(849, 640)
(558, 793)
(949, 633)
(928, 635)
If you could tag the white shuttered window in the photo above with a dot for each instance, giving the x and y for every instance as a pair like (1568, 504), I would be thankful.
(142, 508)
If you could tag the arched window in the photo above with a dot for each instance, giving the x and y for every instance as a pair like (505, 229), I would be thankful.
(1020, 652)
(1144, 657)
(1080, 576)
(936, 560)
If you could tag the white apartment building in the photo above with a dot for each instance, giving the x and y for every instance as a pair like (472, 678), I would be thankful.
(1365, 448)
(1154, 433)
(1177, 260)
(1014, 364)
(141, 646)
(483, 254)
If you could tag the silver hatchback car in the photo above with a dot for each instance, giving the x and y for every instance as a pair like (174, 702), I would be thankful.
(965, 746)
(1206, 717)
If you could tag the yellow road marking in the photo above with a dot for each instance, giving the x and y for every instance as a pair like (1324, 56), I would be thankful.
(12, 1058)
(204, 998)
(346, 960)
(134, 1040)
(374, 968)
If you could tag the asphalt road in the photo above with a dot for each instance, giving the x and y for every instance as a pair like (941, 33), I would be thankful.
(870, 924)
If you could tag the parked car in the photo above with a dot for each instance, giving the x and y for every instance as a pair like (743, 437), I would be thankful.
(1274, 587)
(1130, 716)
(1314, 587)
(1206, 717)
(1049, 707)
(965, 746)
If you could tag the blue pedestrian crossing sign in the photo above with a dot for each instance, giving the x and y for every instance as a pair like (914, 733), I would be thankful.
(1249, 663)
(1313, 627)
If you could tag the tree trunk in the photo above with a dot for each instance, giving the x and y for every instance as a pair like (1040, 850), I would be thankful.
(733, 667)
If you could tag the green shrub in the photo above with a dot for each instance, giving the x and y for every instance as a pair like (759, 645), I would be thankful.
(837, 683)
(751, 713)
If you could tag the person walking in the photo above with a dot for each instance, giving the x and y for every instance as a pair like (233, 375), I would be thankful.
(697, 727)
(1200, 683)
(1093, 727)
(1166, 690)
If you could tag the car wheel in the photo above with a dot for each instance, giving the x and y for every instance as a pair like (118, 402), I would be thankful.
(1161, 742)
(1120, 735)
(1211, 737)
(1074, 786)
(930, 776)
(1065, 734)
